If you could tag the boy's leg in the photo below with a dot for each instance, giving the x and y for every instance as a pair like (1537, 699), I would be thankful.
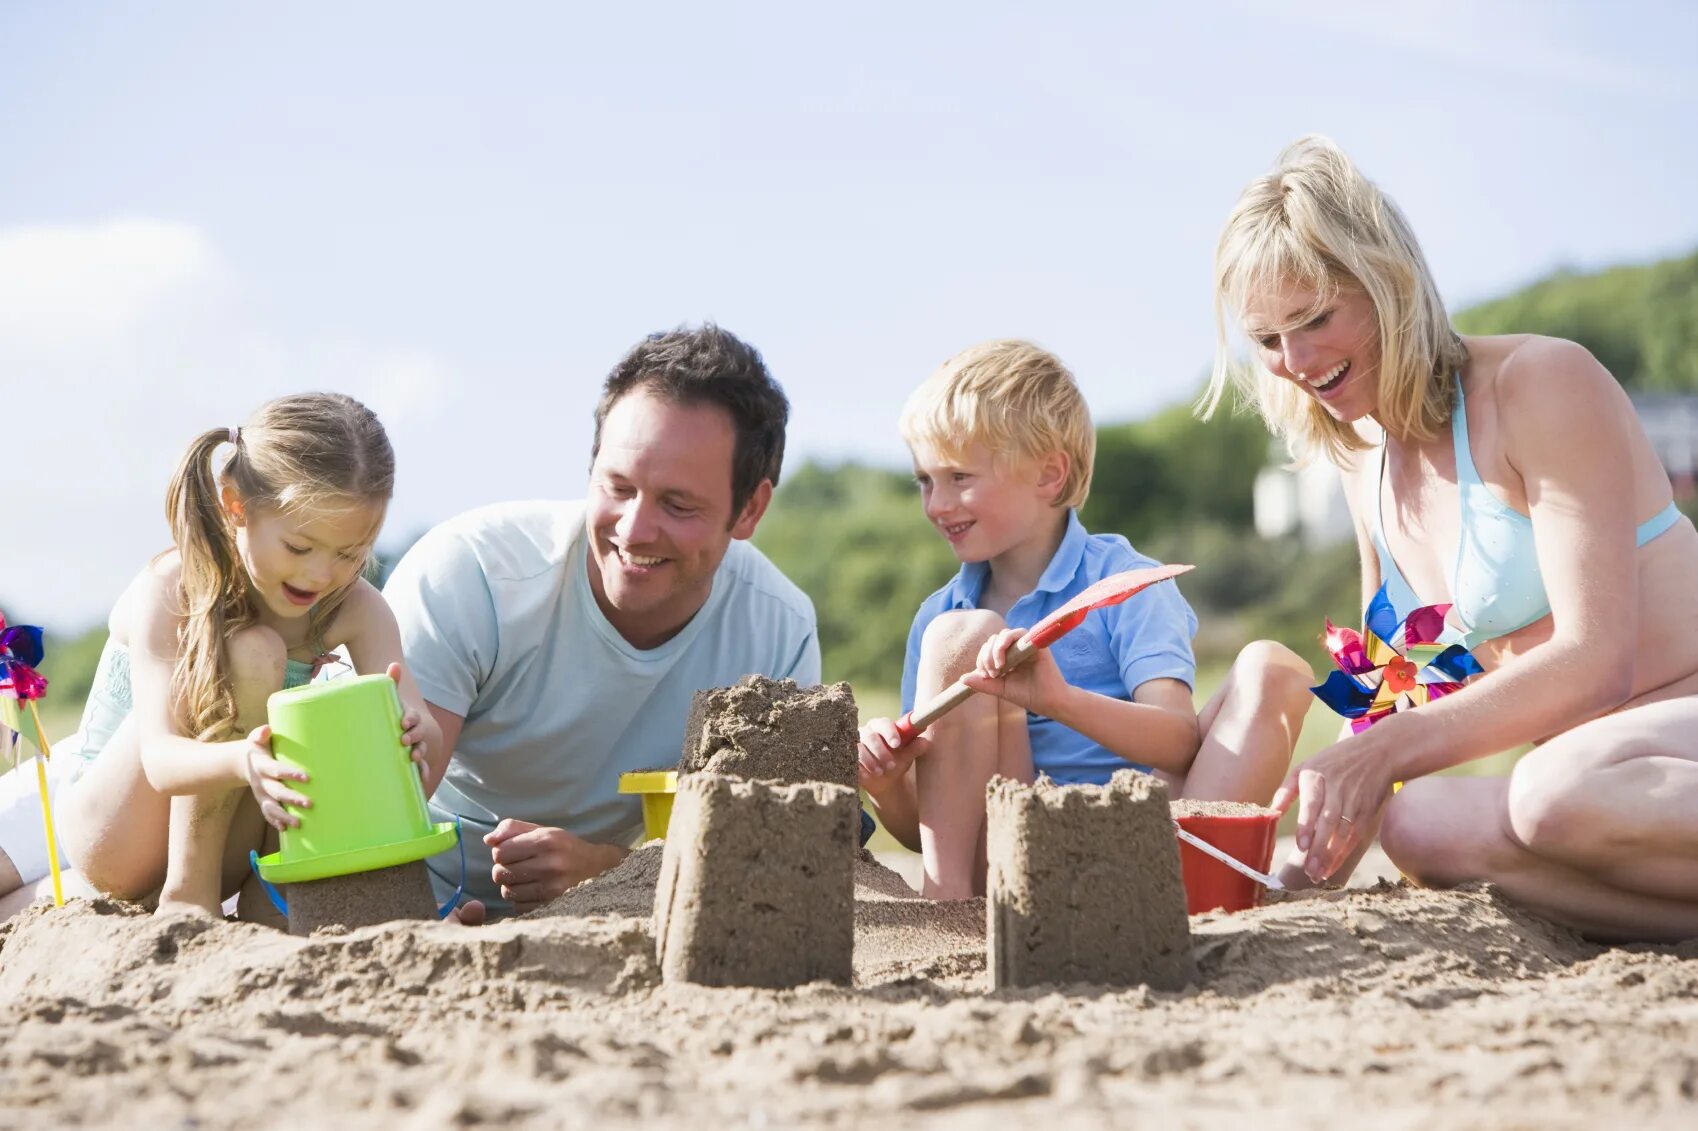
(201, 823)
(1250, 726)
(966, 751)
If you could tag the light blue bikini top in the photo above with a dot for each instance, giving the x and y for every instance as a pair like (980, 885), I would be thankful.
(1495, 582)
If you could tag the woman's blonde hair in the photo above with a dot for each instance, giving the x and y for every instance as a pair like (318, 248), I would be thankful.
(311, 451)
(1014, 398)
(1318, 223)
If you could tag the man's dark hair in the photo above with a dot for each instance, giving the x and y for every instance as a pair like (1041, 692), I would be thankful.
(707, 365)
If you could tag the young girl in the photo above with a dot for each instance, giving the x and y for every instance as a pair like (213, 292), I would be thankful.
(165, 792)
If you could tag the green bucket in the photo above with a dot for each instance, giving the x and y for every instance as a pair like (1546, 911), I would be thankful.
(368, 805)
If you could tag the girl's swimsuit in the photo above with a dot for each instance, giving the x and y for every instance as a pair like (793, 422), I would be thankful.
(1495, 584)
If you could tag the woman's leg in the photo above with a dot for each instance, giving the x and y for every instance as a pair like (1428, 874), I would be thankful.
(967, 750)
(1443, 831)
(197, 870)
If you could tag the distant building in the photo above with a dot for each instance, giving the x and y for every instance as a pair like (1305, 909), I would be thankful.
(1307, 502)
(1310, 502)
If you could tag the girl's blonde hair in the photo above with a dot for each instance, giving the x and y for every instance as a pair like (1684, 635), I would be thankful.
(1014, 398)
(312, 451)
(1318, 223)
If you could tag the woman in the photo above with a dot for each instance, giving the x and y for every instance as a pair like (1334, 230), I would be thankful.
(1509, 477)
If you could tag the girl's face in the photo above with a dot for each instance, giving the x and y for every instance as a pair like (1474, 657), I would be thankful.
(295, 559)
(1333, 354)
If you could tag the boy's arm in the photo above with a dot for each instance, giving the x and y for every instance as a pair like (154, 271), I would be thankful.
(1157, 729)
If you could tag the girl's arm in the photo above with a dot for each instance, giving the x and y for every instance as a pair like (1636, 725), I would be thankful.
(366, 625)
(173, 762)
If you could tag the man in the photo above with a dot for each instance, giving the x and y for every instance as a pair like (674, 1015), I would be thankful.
(558, 644)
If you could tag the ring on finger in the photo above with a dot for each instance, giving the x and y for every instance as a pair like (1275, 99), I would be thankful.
(1345, 819)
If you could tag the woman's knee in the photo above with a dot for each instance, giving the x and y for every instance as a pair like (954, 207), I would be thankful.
(1429, 830)
(950, 644)
(1556, 811)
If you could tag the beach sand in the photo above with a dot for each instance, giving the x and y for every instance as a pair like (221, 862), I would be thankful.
(1391, 1006)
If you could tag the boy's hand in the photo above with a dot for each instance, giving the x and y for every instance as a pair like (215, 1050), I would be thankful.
(267, 777)
(412, 727)
(882, 763)
(1037, 685)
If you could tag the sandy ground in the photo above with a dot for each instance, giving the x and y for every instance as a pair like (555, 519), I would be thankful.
(1391, 1006)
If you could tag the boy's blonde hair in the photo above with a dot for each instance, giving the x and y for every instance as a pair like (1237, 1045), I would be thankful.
(1317, 222)
(1014, 398)
(312, 451)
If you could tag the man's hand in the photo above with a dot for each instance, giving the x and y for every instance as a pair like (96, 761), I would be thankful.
(535, 863)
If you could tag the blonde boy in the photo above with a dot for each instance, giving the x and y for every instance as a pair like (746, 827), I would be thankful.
(1003, 444)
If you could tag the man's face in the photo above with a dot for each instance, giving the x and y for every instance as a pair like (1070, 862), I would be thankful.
(659, 517)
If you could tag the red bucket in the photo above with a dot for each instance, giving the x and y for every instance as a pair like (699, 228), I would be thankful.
(1209, 884)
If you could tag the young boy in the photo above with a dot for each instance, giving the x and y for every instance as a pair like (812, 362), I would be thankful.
(1002, 444)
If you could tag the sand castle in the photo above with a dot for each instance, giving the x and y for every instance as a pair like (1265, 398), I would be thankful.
(1083, 885)
(756, 885)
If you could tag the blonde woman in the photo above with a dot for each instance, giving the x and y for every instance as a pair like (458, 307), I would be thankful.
(174, 781)
(1508, 477)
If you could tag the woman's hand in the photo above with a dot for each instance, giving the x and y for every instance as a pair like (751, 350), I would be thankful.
(1036, 685)
(413, 730)
(267, 778)
(1338, 793)
(882, 756)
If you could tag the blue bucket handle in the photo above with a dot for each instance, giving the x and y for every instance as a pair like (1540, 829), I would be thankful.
(442, 912)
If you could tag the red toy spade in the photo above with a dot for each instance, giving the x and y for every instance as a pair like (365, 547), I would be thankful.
(1110, 590)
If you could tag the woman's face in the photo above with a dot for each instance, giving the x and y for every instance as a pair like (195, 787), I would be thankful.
(1333, 355)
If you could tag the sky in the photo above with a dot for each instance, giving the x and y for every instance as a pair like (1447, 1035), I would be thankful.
(464, 216)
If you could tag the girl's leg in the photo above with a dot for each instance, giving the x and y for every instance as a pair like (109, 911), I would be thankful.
(1445, 831)
(966, 751)
(1250, 726)
(113, 822)
(201, 823)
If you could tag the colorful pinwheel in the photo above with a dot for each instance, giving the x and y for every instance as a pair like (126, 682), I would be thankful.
(20, 687)
(1391, 666)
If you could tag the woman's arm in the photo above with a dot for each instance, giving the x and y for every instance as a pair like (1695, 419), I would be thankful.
(366, 625)
(1567, 428)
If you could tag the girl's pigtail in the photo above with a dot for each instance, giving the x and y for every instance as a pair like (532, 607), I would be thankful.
(214, 594)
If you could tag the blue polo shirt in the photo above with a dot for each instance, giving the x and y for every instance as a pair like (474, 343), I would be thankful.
(1114, 651)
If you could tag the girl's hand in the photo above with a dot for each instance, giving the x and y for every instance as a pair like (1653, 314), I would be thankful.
(1037, 685)
(1338, 792)
(882, 764)
(412, 727)
(267, 777)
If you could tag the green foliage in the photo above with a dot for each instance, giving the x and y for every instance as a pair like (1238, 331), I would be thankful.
(1175, 471)
(1641, 322)
(855, 540)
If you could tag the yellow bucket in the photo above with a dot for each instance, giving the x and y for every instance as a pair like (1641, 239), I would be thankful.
(656, 788)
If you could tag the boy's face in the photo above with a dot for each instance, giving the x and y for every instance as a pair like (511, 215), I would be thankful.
(983, 507)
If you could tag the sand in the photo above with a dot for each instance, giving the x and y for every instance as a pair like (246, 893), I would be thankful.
(773, 730)
(1191, 807)
(1418, 1009)
(362, 899)
(1083, 885)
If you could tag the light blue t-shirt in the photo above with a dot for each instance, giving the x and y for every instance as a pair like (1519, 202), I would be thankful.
(1112, 652)
(499, 625)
